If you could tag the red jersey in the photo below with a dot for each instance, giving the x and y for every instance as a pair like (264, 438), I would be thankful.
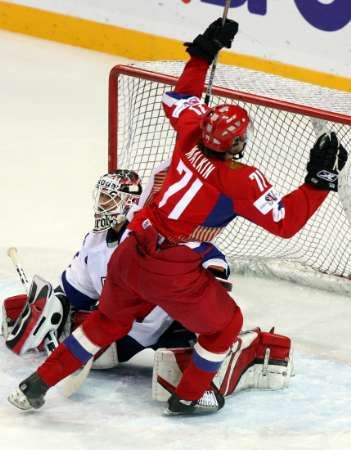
(201, 195)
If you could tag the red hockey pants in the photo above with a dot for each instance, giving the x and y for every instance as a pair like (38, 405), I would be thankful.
(140, 276)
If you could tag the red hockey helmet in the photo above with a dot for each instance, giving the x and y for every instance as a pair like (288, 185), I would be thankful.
(223, 126)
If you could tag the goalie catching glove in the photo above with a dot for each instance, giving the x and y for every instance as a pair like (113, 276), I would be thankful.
(327, 159)
(215, 37)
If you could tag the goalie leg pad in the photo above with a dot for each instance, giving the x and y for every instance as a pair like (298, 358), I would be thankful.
(274, 362)
(259, 360)
(106, 358)
(42, 313)
(168, 368)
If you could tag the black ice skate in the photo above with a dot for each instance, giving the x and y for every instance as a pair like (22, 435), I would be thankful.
(30, 393)
(210, 402)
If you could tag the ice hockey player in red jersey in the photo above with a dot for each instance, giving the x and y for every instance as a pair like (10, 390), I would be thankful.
(206, 187)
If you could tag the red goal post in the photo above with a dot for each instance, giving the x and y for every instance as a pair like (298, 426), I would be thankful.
(281, 110)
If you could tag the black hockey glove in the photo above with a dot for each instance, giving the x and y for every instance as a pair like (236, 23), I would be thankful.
(215, 37)
(327, 158)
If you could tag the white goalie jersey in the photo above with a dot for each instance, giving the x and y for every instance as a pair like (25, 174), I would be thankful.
(87, 271)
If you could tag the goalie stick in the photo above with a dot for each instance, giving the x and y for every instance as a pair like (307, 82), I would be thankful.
(12, 254)
(214, 64)
(73, 382)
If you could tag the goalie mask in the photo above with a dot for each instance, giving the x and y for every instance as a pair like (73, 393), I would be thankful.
(226, 128)
(115, 193)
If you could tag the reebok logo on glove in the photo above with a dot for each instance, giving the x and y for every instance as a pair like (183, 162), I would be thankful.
(327, 159)
(327, 176)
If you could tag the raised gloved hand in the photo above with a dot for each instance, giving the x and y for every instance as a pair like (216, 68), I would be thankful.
(216, 36)
(223, 33)
(327, 158)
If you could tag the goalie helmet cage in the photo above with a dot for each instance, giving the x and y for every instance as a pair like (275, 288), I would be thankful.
(140, 138)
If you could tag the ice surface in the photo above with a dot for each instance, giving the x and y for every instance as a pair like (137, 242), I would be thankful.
(53, 132)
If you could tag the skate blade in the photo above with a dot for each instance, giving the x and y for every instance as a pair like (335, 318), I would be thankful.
(194, 412)
(19, 400)
(168, 412)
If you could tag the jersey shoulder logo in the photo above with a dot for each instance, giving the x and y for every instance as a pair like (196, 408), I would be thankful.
(268, 201)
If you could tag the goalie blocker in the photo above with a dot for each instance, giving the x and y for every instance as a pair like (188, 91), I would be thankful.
(27, 322)
(33, 321)
(257, 360)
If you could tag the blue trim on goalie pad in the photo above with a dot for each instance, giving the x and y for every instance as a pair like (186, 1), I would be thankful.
(78, 351)
(76, 298)
(205, 364)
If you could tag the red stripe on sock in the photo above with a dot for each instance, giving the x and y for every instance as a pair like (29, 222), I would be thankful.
(58, 365)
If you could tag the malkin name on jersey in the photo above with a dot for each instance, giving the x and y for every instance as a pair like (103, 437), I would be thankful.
(200, 163)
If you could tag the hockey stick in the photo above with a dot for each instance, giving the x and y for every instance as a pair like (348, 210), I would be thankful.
(319, 126)
(50, 342)
(12, 254)
(214, 64)
(73, 382)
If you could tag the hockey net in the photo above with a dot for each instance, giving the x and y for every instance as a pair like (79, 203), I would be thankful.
(281, 110)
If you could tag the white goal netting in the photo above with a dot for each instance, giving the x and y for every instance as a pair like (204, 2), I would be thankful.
(281, 109)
